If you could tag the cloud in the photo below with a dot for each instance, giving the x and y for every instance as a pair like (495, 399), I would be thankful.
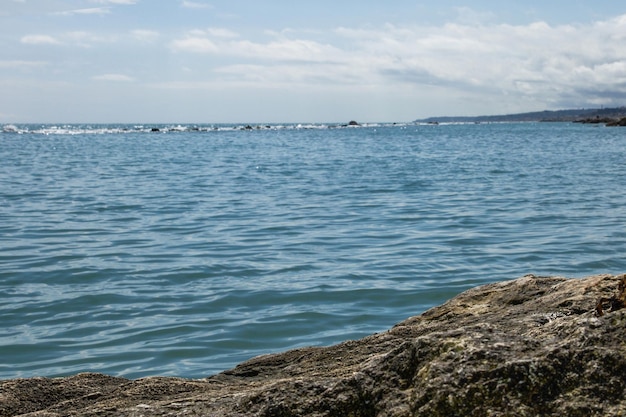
(221, 41)
(113, 77)
(533, 60)
(203, 41)
(17, 64)
(92, 10)
(75, 38)
(536, 62)
(39, 40)
(106, 9)
(221, 33)
(195, 5)
(287, 50)
(123, 2)
(84, 38)
(473, 59)
(194, 44)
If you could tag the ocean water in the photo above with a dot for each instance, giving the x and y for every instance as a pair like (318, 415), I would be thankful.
(187, 250)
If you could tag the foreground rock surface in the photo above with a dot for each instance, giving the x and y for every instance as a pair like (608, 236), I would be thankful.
(528, 347)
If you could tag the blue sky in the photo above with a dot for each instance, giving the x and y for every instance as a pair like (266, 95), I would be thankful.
(212, 61)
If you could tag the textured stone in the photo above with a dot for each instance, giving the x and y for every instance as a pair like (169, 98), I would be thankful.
(527, 347)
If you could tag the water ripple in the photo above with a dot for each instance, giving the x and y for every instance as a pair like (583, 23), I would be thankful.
(184, 253)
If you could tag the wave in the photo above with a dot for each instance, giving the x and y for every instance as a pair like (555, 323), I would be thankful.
(82, 129)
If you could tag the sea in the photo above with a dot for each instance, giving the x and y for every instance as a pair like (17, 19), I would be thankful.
(183, 250)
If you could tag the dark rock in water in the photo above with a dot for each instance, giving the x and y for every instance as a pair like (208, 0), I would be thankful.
(528, 347)
(608, 121)
(155, 129)
(353, 123)
(595, 120)
(620, 122)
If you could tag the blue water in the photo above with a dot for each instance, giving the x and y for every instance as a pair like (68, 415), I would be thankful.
(186, 251)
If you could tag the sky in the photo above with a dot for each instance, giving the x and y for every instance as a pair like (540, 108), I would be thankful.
(279, 61)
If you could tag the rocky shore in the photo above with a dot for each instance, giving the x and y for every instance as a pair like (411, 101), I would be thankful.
(608, 121)
(534, 346)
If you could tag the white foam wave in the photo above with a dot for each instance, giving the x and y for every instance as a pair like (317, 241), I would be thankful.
(78, 129)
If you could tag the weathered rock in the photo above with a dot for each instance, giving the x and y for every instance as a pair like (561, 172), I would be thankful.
(596, 120)
(620, 122)
(529, 347)
(608, 121)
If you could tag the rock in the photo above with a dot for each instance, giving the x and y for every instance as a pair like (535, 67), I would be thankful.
(527, 347)
(608, 121)
(595, 120)
(620, 122)
(353, 123)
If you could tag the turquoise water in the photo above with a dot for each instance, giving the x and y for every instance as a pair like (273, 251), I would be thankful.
(185, 251)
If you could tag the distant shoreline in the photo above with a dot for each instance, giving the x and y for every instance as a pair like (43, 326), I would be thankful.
(604, 115)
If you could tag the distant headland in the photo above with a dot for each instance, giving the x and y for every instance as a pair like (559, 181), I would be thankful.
(615, 116)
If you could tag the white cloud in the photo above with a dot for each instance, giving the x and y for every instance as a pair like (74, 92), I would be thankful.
(537, 61)
(113, 77)
(287, 49)
(472, 60)
(106, 9)
(281, 49)
(76, 38)
(92, 10)
(124, 2)
(39, 40)
(194, 44)
(195, 5)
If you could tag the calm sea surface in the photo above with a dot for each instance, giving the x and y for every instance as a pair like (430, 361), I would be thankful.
(186, 251)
